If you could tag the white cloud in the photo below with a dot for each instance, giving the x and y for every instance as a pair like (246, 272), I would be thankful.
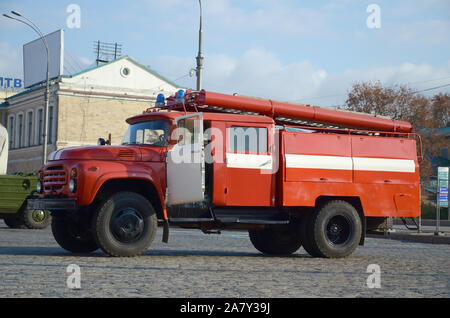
(424, 32)
(271, 17)
(259, 72)
(416, 76)
(86, 61)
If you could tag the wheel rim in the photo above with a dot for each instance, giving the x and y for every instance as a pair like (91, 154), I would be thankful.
(338, 230)
(38, 216)
(127, 225)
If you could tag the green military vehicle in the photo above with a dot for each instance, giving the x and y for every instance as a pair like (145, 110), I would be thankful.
(14, 192)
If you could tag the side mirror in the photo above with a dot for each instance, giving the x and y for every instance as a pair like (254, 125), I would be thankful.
(170, 140)
(101, 142)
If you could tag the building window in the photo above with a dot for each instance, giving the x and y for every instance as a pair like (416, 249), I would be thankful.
(11, 131)
(125, 71)
(19, 128)
(50, 125)
(39, 126)
(29, 129)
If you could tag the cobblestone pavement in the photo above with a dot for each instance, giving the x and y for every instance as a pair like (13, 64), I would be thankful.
(198, 265)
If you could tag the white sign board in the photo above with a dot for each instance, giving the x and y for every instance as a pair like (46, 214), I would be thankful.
(443, 186)
(3, 149)
(35, 58)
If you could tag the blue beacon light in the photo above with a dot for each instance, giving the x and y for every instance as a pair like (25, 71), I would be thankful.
(160, 100)
(180, 95)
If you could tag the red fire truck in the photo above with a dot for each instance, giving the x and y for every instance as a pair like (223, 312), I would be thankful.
(292, 175)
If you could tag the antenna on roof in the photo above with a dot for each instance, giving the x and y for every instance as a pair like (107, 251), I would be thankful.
(107, 52)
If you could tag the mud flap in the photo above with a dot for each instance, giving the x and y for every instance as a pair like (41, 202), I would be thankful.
(165, 237)
(363, 232)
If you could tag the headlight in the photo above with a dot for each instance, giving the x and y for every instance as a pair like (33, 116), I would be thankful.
(39, 187)
(72, 185)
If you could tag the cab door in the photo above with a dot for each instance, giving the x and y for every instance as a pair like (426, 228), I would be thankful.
(249, 165)
(185, 162)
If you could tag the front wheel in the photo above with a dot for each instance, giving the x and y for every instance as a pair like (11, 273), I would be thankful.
(72, 236)
(125, 224)
(36, 219)
(279, 240)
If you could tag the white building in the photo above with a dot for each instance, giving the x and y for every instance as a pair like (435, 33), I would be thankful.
(83, 107)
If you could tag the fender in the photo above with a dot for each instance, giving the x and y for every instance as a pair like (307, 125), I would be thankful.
(115, 171)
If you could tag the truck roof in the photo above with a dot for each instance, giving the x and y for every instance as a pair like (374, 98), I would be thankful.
(206, 116)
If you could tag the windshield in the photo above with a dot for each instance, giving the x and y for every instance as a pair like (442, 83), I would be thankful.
(153, 132)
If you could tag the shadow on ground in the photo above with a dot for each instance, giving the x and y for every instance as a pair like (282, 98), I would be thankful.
(57, 251)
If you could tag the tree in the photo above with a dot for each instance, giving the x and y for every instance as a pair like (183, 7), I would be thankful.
(402, 103)
(441, 109)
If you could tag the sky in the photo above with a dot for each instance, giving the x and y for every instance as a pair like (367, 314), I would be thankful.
(300, 51)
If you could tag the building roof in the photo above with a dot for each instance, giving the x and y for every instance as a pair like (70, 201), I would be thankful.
(131, 60)
(29, 90)
(41, 85)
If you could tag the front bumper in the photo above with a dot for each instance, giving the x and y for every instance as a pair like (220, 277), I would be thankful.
(62, 204)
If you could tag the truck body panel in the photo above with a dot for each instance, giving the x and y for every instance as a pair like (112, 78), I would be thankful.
(14, 190)
(381, 171)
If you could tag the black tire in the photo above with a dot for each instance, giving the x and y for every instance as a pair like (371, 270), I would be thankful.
(14, 222)
(36, 219)
(277, 240)
(125, 224)
(306, 234)
(71, 236)
(336, 230)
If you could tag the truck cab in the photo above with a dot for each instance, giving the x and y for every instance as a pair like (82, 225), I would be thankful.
(200, 168)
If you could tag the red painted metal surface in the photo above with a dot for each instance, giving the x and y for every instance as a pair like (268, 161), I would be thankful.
(298, 111)
(97, 165)
(249, 187)
(382, 193)
(392, 190)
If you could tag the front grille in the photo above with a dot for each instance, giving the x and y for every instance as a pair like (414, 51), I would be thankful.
(55, 178)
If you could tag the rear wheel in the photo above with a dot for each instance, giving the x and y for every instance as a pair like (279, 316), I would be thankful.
(125, 225)
(72, 236)
(14, 222)
(306, 234)
(335, 230)
(277, 240)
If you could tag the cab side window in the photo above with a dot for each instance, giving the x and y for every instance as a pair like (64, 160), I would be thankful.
(248, 139)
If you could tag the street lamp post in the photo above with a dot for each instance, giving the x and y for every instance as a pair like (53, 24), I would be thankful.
(200, 56)
(47, 87)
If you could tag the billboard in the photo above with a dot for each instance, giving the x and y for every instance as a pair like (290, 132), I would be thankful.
(35, 58)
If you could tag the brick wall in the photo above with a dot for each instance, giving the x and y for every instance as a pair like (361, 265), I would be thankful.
(85, 119)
